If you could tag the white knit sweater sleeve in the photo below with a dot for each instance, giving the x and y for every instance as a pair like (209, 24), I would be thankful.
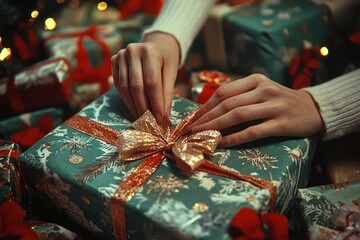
(182, 19)
(339, 103)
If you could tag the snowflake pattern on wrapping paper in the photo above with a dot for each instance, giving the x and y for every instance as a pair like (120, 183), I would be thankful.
(316, 207)
(240, 192)
(74, 144)
(178, 218)
(222, 156)
(206, 182)
(258, 159)
(165, 186)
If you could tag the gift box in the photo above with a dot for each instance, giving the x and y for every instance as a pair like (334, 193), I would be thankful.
(264, 37)
(11, 186)
(76, 168)
(88, 50)
(329, 211)
(45, 84)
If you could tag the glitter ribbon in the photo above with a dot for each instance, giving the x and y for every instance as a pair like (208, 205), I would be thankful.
(152, 142)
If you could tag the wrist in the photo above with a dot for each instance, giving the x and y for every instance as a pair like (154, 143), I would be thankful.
(165, 41)
(314, 111)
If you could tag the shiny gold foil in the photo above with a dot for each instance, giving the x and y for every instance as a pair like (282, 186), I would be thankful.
(149, 138)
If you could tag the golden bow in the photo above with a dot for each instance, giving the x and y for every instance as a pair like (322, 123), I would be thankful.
(149, 138)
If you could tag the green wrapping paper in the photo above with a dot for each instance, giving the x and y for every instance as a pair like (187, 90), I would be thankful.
(317, 209)
(80, 174)
(264, 37)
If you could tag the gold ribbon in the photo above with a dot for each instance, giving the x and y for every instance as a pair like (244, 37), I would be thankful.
(149, 138)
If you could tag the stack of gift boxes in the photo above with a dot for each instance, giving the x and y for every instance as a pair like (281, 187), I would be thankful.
(67, 117)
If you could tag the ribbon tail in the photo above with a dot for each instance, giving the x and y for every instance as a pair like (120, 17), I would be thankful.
(127, 190)
(212, 168)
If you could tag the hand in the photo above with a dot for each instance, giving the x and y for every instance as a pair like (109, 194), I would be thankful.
(264, 108)
(145, 73)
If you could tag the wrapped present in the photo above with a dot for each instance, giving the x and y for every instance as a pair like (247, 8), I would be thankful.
(144, 193)
(264, 37)
(26, 129)
(205, 83)
(11, 186)
(88, 50)
(45, 84)
(329, 211)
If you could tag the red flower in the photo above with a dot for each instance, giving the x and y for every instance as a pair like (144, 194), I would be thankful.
(247, 224)
(11, 223)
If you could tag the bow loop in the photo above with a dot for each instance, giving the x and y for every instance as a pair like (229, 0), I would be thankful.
(147, 123)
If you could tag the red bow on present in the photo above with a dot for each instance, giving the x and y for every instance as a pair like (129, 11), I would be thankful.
(213, 79)
(11, 223)
(247, 224)
(27, 135)
(84, 71)
(303, 68)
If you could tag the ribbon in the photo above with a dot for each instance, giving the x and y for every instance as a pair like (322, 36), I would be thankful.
(153, 142)
(213, 79)
(14, 97)
(346, 220)
(27, 135)
(84, 71)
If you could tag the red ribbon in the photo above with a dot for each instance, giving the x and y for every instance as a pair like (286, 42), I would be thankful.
(11, 223)
(27, 136)
(14, 97)
(145, 169)
(213, 79)
(84, 72)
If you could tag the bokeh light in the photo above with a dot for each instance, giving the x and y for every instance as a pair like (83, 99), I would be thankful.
(102, 6)
(324, 51)
(50, 24)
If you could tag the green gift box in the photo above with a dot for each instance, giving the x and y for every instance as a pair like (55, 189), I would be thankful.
(264, 37)
(83, 176)
(317, 208)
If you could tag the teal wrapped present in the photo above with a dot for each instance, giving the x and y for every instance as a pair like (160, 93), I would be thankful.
(75, 171)
(266, 37)
(323, 211)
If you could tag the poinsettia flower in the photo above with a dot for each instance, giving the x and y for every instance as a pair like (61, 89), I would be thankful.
(12, 225)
